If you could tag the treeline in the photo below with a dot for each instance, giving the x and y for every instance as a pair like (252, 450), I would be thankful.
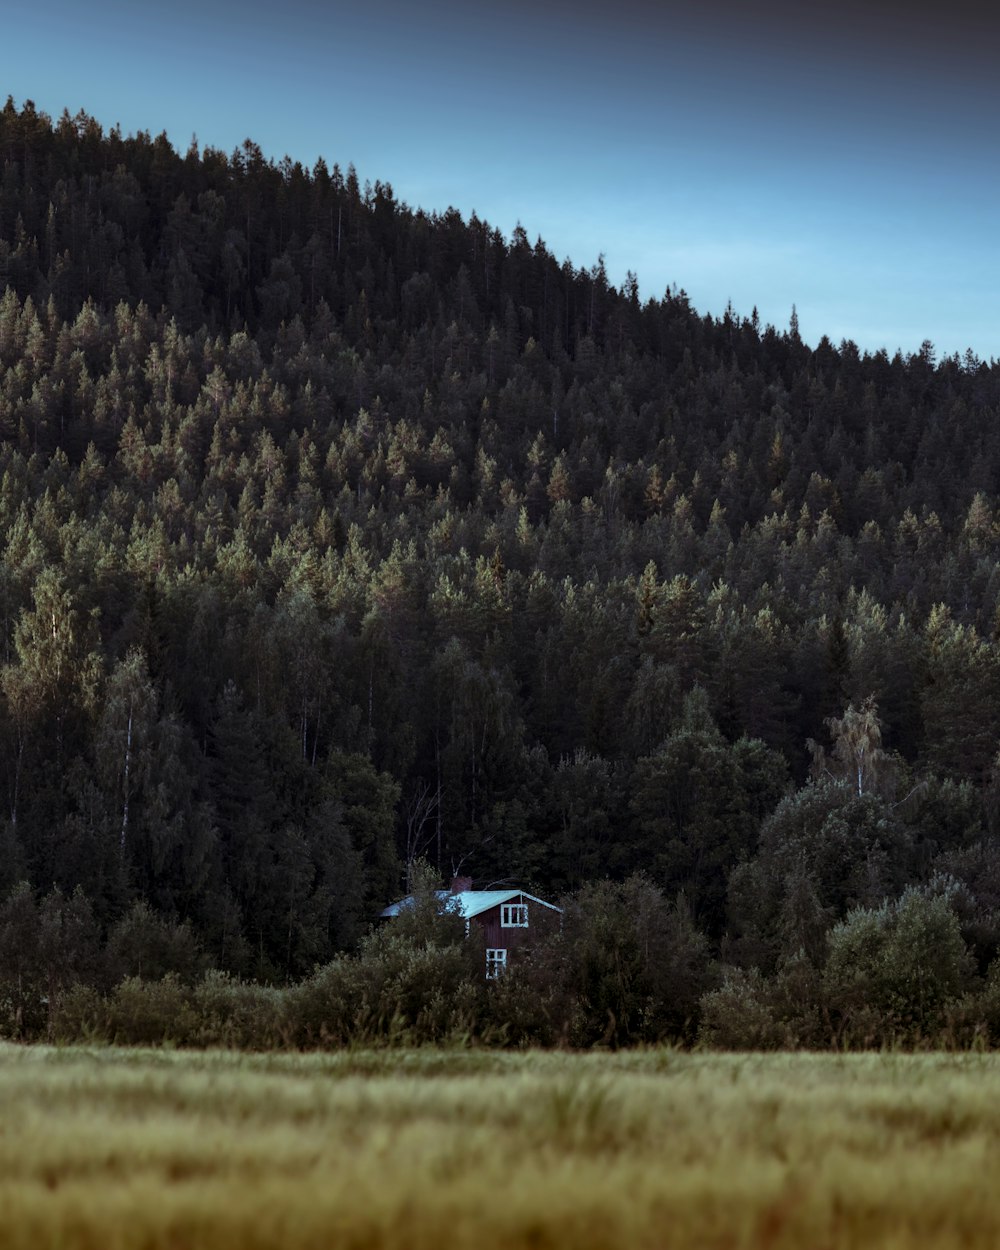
(627, 966)
(334, 534)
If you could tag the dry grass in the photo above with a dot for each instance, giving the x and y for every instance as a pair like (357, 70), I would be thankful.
(121, 1150)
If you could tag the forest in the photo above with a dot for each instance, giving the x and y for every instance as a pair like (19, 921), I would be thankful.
(342, 538)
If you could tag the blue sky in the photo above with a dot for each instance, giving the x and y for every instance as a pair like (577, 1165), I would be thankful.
(845, 162)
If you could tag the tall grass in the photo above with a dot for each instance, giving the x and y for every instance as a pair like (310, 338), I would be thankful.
(118, 1149)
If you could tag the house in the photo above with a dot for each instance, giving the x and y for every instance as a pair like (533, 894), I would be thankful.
(502, 920)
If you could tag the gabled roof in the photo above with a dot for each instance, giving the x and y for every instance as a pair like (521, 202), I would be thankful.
(470, 903)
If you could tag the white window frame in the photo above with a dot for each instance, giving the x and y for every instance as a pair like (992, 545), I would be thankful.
(496, 962)
(513, 915)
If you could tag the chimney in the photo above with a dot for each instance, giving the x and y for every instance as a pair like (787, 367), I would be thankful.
(460, 884)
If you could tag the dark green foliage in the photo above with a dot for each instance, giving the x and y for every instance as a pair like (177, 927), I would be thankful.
(895, 969)
(823, 851)
(46, 950)
(335, 533)
(751, 1012)
(146, 1013)
(739, 1014)
(144, 945)
(240, 1014)
(367, 801)
(21, 992)
(414, 979)
(636, 964)
(699, 802)
(588, 801)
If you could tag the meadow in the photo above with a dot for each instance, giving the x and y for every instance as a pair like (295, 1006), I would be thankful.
(116, 1149)
(121, 1149)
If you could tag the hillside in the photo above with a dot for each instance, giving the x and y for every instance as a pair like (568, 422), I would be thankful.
(337, 532)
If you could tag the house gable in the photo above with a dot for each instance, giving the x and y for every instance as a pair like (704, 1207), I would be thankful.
(502, 920)
(470, 903)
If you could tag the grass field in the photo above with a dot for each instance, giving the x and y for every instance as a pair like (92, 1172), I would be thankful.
(119, 1149)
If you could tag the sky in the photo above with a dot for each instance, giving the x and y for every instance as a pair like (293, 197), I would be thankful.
(842, 158)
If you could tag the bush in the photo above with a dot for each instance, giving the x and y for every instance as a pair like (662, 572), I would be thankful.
(635, 963)
(894, 971)
(327, 1008)
(740, 1015)
(395, 989)
(415, 979)
(150, 1013)
(145, 944)
(240, 1014)
(79, 1015)
(753, 1012)
(218, 1011)
(23, 1006)
(530, 1005)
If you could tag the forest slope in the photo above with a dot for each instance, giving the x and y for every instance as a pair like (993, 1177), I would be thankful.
(334, 532)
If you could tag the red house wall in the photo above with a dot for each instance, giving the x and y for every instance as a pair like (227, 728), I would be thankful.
(541, 920)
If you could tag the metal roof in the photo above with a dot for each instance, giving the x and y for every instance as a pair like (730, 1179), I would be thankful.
(470, 902)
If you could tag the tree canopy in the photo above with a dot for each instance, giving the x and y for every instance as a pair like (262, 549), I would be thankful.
(335, 532)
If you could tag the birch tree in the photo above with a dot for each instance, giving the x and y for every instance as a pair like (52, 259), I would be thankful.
(129, 712)
(857, 756)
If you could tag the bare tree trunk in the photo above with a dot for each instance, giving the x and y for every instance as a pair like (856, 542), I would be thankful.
(437, 767)
(18, 761)
(319, 713)
(420, 810)
(128, 768)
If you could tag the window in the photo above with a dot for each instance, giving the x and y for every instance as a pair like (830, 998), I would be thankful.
(514, 916)
(496, 962)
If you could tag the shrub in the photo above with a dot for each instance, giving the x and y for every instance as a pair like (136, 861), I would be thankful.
(893, 971)
(394, 989)
(240, 1014)
(415, 979)
(144, 944)
(328, 1008)
(149, 1013)
(23, 1007)
(79, 1015)
(530, 1004)
(739, 1015)
(635, 963)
